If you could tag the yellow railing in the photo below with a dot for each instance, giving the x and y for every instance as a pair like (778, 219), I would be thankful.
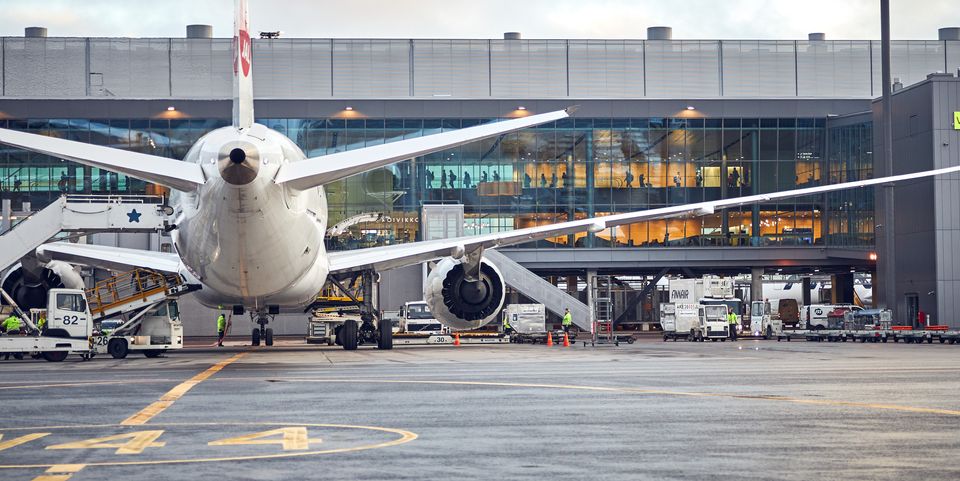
(127, 287)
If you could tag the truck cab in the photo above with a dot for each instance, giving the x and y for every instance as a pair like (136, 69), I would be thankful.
(67, 315)
(763, 322)
(416, 318)
(713, 322)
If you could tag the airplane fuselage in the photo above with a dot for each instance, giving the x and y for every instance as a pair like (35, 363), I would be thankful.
(258, 243)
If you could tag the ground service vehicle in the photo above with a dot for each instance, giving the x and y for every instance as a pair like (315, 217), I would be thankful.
(763, 322)
(815, 316)
(416, 318)
(69, 327)
(153, 331)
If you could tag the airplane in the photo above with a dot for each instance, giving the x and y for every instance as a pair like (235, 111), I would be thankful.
(250, 214)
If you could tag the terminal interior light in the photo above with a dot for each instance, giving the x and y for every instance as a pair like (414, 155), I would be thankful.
(873, 256)
(691, 107)
(521, 108)
(348, 108)
(171, 108)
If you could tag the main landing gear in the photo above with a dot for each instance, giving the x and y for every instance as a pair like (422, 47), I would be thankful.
(350, 335)
(262, 333)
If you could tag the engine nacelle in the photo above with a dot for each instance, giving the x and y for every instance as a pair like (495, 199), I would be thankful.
(461, 304)
(29, 287)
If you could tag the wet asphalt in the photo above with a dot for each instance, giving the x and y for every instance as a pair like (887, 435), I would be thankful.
(651, 410)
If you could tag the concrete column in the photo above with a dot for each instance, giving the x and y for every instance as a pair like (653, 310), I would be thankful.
(842, 292)
(806, 291)
(590, 278)
(7, 212)
(756, 284)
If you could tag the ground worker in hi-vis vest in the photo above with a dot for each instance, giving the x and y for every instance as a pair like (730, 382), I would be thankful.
(567, 320)
(732, 320)
(221, 328)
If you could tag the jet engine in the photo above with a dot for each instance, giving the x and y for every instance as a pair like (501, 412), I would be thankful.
(29, 282)
(460, 303)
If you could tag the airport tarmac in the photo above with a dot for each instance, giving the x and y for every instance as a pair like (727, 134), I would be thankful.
(651, 410)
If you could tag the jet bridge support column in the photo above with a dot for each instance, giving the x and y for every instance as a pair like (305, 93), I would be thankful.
(756, 284)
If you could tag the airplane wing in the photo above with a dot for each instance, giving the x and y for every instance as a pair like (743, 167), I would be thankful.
(172, 173)
(400, 255)
(113, 258)
(325, 169)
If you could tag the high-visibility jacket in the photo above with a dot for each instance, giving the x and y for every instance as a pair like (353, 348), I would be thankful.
(221, 323)
(11, 323)
(567, 319)
(506, 323)
(732, 318)
(41, 322)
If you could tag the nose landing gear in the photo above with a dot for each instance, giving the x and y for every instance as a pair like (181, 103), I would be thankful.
(263, 332)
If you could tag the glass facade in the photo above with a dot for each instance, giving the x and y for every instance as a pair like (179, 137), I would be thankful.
(569, 169)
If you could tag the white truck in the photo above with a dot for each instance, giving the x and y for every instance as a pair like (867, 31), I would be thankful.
(152, 332)
(416, 318)
(69, 327)
(762, 320)
(816, 316)
(699, 308)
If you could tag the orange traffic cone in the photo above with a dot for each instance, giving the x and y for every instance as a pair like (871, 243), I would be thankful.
(566, 340)
(456, 339)
(549, 338)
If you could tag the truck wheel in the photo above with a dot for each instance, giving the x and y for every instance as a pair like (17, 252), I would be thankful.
(255, 337)
(348, 335)
(55, 356)
(385, 335)
(118, 348)
(151, 353)
(268, 337)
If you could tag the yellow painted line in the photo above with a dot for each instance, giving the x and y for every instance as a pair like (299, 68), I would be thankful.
(661, 392)
(167, 400)
(60, 472)
(404, 437)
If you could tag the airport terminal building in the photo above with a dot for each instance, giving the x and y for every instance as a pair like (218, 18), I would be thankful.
(659, 122)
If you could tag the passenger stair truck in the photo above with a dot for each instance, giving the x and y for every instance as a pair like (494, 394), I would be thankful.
(145, 302)
(685, 317)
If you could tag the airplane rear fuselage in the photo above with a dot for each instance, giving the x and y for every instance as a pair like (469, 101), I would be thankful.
(251, 242)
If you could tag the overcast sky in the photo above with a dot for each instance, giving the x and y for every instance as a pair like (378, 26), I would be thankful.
(724, 19)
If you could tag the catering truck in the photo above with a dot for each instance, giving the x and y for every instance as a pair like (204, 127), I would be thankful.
(697, 309)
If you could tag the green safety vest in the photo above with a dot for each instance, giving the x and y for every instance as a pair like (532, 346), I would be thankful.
(41, 322)
(12, 323)
(567, 319)
(221, 323)
(732, 318)
(506, 323)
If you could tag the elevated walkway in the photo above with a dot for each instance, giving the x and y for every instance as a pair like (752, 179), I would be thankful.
(81, 213)
(533, 286)
(133, 290)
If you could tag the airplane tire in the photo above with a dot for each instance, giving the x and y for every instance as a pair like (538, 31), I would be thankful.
(268, 337)
(118, 348)
(385, 335)
(348, 335)
(255, 337)
(55, 356)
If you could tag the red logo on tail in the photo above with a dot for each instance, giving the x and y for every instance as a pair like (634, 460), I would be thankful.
(244, 46)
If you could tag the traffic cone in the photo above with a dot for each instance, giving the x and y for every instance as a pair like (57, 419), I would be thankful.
(566, 340)
(549, 338)
(456, 339)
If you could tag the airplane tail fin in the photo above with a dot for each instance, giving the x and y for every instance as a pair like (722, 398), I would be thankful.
(242, 68)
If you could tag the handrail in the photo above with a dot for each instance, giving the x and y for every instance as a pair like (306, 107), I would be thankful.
(138, 284)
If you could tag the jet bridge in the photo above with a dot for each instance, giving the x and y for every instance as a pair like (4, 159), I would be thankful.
(81, 213)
